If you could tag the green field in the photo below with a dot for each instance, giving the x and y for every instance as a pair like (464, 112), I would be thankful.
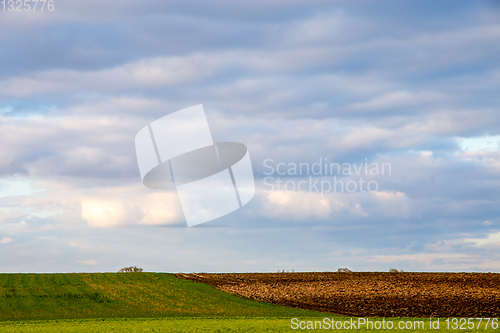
(140, 302)
(175, 325)
(125, 295)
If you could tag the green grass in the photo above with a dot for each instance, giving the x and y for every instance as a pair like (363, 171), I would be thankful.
(174, 325)
(126, 295)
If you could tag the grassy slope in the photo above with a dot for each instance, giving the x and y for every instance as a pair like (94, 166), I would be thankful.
(130, 295)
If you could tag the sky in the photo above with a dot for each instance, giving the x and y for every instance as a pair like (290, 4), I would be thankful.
(414, 85)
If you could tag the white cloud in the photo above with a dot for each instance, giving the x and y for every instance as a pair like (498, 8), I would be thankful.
(119, 105)
(455, 121)
(10, 215)
(295, 205)
(131, 205)
(145, 73)
(68, 145)
(394, 204)
(6, 240)
(362, 137)
(493, 239)
(142, 208)
(399, 99)
(65, 204)
(109, 213)
(326, 29)
(87, 262)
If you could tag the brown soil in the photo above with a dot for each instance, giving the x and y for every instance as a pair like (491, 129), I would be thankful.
(369, 294)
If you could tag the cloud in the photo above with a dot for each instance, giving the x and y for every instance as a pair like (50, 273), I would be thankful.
(492, 239)
(118, 207)
(8, 216)
(132, 205)
(400, 99)
(67, 145)
(64, 205)
(423, 258)
(146, 73)
(368, 138)
(6, 240)
(394, 204)
(87, 262)
(455, 122)
(104, 213)
(329, 28)
(119, 105)
(294, 81)
(295, 205)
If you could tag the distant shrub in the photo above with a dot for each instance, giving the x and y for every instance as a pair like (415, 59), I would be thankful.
(344, 270)
(393, 270)
(131, 269)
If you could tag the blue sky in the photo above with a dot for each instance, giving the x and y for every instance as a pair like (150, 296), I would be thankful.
(412, 83)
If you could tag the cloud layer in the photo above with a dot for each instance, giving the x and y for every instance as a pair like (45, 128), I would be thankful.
(415, 85)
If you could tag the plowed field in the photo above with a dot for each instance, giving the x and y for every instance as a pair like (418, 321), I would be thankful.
(369, 294)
